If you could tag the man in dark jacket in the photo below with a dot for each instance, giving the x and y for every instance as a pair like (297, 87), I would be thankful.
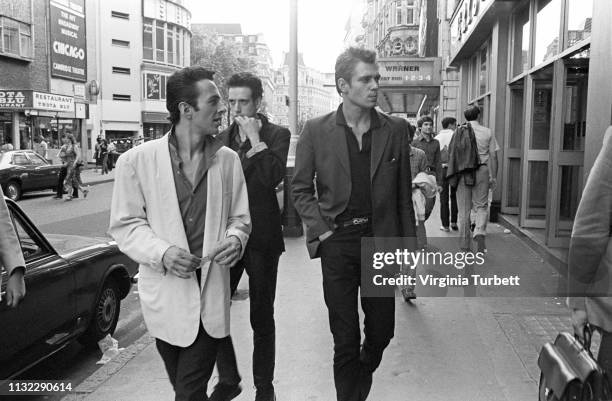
(363, 188)
(262, 147)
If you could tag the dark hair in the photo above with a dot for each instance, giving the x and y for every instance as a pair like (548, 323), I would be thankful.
(446, 121)
(181, 87)
(411, 130)
(426, 119)
(472, 112)
(348, 59)
(248, 80)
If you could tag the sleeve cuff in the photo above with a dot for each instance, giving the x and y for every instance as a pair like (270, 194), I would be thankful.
(256, 149)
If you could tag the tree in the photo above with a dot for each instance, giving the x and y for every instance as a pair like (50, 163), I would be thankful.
(222, 56)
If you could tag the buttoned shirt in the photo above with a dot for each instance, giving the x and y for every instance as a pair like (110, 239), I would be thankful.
(192, 197)
(418, 161)
(360, 200)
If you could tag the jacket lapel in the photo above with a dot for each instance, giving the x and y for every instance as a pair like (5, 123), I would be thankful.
(337, 138)
(380, 137)
(167, 189)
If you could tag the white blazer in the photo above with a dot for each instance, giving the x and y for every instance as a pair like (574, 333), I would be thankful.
(146, 220)
(10, 248)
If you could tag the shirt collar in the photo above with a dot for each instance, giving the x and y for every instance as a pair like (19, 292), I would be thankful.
(211, 146)
(374, 118)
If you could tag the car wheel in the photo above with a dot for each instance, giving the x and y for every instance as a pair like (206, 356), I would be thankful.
(105, 315)
(13, 191)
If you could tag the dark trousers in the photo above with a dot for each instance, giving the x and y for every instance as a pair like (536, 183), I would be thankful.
(354, 363)
(60, 184)
(189, 368)
(262, 268)
(445, 214)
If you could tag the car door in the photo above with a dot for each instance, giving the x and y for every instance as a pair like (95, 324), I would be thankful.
(46, 316)
(23, 169)
(43, 174)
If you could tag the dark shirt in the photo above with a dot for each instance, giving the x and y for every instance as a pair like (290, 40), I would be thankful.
(192, 198)
(432, 151)
(360, 200)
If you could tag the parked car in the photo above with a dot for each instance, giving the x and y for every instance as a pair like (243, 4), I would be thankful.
(25, 170)
(74, 287)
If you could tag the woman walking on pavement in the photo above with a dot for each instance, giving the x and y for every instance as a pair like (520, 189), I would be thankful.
(72, 157)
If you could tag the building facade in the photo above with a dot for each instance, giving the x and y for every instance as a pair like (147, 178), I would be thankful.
(43, 59)
(535, 68)
(316, 94)
(404, 34)
(139, 44)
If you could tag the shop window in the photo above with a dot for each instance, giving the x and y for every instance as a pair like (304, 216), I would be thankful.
(520, 61)
(541, 115)
(548, 22)
(575, 104)
(410, 12)
(483, 78)
(516, 116)
(579, 20)
(15, 37)
(147, 40)
(178, 36)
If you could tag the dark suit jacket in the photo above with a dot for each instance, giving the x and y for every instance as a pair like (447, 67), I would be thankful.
(263, 172)
(322, 152)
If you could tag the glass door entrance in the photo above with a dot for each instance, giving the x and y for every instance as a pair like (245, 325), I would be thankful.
(537, 149)
(568, 148)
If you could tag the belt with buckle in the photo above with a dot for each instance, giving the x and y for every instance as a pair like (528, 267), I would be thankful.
(356, 221)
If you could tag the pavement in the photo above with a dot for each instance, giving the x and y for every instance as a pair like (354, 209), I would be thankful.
(92, 176)
(454, 348)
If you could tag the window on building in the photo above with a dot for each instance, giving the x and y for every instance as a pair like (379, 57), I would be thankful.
(170, 45)
(483, 78)
(15, 37)
(120, 43)
(159, 41)
(411, 12)
(123, 98)
(147, 39)
(121, 70)
(154, 86)
(548, 22)
(399, 12)
(117, 14)
(579, 20)
(177, 46)
(520, 62)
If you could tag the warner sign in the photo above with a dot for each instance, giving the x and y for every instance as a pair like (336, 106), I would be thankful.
(68, 40)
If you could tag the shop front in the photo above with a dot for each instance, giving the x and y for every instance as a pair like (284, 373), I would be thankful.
(27, 115)
(409, 86)
(154, 124)
(528, 65)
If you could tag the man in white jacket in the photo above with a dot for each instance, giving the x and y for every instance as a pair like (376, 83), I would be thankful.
(180, 209)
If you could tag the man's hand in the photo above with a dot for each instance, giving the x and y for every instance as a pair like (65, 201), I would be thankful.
(227, 252)
(250, 126)
(579, 320)
(492, 183)
(15, 287)
(180, 262)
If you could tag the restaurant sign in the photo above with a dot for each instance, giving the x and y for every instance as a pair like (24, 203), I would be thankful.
(410, 72)
(31, 100)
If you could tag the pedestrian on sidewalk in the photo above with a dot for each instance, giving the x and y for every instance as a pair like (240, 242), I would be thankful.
(361, 161)
(448, 217)
(262, 148)
(104, 156)
(73, 161)
(590, 256)
(427, 143)
(97, 155)
(61, 181)
(185, 239)
(475, 169)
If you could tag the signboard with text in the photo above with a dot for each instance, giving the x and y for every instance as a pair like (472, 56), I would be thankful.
(15, 99)
(68, 39)
(467, 16)
(410, 72)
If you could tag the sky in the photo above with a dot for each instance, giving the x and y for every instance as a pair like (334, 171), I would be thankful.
(320, 25)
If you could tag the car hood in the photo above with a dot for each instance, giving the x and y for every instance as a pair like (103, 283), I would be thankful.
(64, 243)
